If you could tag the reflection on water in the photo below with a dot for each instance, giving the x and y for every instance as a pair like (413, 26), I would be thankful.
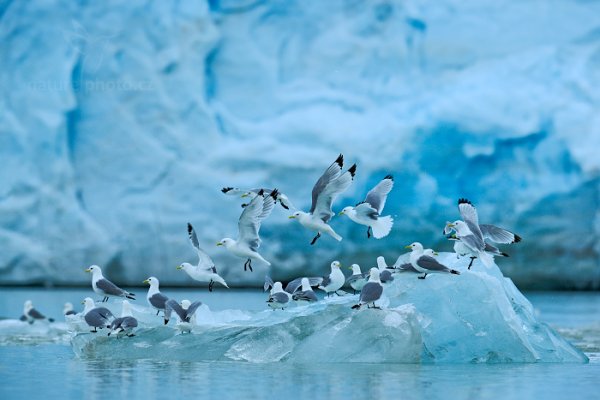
(150, 379)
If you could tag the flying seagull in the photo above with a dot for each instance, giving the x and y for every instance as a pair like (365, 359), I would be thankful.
(252, 193)
(205, 271)
(155, 298)
(248, 226)
(371, 292)
(424, 262)
(368, 212)
(186, 311)
(106, 288)
(328, 187)
(461, 250)
(473, 236)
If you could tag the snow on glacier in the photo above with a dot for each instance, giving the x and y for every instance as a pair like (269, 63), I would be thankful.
(476, 317)
(118, 125)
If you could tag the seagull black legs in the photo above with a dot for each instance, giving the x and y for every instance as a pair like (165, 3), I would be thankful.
(471, 263)
(422, 277)
(316, 238)
(248, 265)
(369, 232)
(157, 311)
(104, 300)
(210, 285)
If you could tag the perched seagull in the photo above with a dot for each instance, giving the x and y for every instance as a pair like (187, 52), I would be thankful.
(248, 226)
(424, 262)
(96, 317)
(334, 281)
(306, 294)
(252, 193)
(385, 275)
(358, 279)
(278, 297)
(68, 309)
(461, 250)
(186, 311)
(371, 292)
(155, 298)
(328, 187)
(205, 271)
(31, 315)
(368, 212)
(125, 324)
(472, 235)
(104, 287)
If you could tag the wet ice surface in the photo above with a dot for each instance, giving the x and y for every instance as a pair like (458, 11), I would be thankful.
(477, 317)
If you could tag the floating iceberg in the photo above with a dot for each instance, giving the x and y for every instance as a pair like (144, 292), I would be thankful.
(476, 317)
(14, 331)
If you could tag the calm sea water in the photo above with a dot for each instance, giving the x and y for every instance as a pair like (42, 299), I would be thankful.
(51, 371)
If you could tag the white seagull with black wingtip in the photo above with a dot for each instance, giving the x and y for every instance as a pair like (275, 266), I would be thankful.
(334, 281)
(106, 288)
(252, 193)
(368, 212)
(248, 226)
(424, 262)
(31, 315)
(473, 236)
(155, 298)
(205, 271)
(371, 292)
(328, 187)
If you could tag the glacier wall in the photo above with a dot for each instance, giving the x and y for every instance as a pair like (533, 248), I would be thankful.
(120, 121)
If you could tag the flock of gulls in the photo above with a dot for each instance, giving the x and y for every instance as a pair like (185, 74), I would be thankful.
(470, 239)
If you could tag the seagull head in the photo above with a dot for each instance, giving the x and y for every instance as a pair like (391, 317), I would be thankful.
(277, 287)
(68, 307)
(152, 281)
(27, 306)
(94, 269)
(355, 269)
(227, 242)
(184, 266)
(416, 246)
(247, 194)
(88, 303)
(346, 210)
(381, 263)
(460, 227)
(305, 284)
(430, 253)
(374, 275)
(295, 215)
(336, 264)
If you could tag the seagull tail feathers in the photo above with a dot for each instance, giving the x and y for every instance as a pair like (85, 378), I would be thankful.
(454, 272)
(487, 259)
(356, 307)
(382, 227)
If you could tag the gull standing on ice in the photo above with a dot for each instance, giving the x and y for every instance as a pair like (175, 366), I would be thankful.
(104, 287)
(328, 187)
(96, 317)
(368, 212)
(248, 226)
(306, 294)
(31, 315)
(461, 250)
(68, 309)
(334, 281)
(205, 271)
(423, 261)
(278, 297)
(385, 275)
(155, 298)
(371, 292)
(252, 193)
(358, 279)
(472, 235)
(125, 324)
(186, 311)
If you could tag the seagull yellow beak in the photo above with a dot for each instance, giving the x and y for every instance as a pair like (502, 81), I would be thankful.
(341, 213)
(87, 270)
(219, 243)
(292, 217)
(244, 195)
(179, 267)
(83, 302)
(435, 253)
(408, 247)
(146, 281)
